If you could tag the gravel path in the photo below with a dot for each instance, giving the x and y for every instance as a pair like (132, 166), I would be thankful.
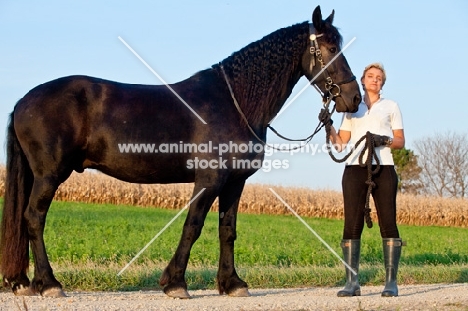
(412, 297)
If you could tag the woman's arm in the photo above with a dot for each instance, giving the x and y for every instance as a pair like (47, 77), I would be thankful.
(398, 139)
(340, 139)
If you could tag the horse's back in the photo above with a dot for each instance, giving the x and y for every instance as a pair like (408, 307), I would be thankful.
(79, 122)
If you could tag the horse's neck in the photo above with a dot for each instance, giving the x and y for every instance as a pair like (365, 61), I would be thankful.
(284, 94)
(263, 77)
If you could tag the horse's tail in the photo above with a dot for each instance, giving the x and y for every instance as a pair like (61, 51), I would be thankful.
(14, 240)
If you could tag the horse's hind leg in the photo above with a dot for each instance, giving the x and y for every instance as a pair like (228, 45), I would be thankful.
(42, 194)
(228, 280)
(19, 284)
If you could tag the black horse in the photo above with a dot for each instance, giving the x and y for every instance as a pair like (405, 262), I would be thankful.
(79, 122)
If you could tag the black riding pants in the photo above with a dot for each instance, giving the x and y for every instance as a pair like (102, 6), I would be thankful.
(384, 195)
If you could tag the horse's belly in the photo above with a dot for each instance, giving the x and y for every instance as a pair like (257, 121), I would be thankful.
(147, 169)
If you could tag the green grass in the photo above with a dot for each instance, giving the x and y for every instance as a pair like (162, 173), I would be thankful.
(89, 244)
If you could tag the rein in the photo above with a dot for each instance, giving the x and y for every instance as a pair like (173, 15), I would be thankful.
(327, 97)
(244, 118)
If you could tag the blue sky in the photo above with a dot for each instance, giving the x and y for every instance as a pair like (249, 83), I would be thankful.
(421, 44)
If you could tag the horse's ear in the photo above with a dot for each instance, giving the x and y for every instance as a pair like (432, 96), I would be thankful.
(317, 18)
(330, 18)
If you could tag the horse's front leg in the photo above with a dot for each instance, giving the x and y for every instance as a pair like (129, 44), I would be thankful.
(228, 280)
(173, 277)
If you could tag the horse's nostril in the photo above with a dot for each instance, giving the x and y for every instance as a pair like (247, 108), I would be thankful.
(357, 100)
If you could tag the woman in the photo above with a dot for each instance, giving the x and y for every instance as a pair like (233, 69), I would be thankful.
(383, 119)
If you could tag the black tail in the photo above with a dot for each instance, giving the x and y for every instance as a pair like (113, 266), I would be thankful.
(14, 240)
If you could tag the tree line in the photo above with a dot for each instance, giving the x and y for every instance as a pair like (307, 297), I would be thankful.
(438, 166)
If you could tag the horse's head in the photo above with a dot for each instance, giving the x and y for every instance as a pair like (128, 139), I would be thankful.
(325, 65)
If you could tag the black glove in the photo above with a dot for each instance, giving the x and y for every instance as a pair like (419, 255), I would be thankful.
(325, 116)
(380, 140)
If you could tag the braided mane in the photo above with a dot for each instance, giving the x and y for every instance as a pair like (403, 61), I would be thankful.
(261, 71)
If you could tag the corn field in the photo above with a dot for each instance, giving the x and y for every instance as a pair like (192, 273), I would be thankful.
(95, 187)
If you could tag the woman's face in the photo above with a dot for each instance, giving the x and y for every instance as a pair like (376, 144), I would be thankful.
(372, 80)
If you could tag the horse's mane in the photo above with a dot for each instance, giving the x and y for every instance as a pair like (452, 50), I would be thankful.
(258, 72)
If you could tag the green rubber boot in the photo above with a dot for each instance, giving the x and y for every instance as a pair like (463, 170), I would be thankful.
(392, 253)
(351, 253)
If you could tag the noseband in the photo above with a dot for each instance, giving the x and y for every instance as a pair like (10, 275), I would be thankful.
(314, 50)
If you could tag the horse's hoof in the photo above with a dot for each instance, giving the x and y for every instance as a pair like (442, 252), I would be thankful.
(240, 292)
(24, 291)
(54, 292)
(178, 293)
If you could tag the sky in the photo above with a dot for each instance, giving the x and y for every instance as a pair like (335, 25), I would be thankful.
(421, 44)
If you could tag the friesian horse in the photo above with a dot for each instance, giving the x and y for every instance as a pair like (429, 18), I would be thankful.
(77, 122)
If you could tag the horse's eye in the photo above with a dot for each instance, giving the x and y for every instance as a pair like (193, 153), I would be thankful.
(333, 50)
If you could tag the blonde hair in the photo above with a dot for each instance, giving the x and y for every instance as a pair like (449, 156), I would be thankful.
(378, 66)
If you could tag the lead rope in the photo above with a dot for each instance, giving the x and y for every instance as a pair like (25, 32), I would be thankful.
(370, 148)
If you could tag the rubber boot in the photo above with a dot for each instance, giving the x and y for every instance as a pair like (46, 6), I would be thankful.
(351, 254)
(392, 253)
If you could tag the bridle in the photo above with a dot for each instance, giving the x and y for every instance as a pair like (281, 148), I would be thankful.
(316, 53)
(327, 97)
(330, 85)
